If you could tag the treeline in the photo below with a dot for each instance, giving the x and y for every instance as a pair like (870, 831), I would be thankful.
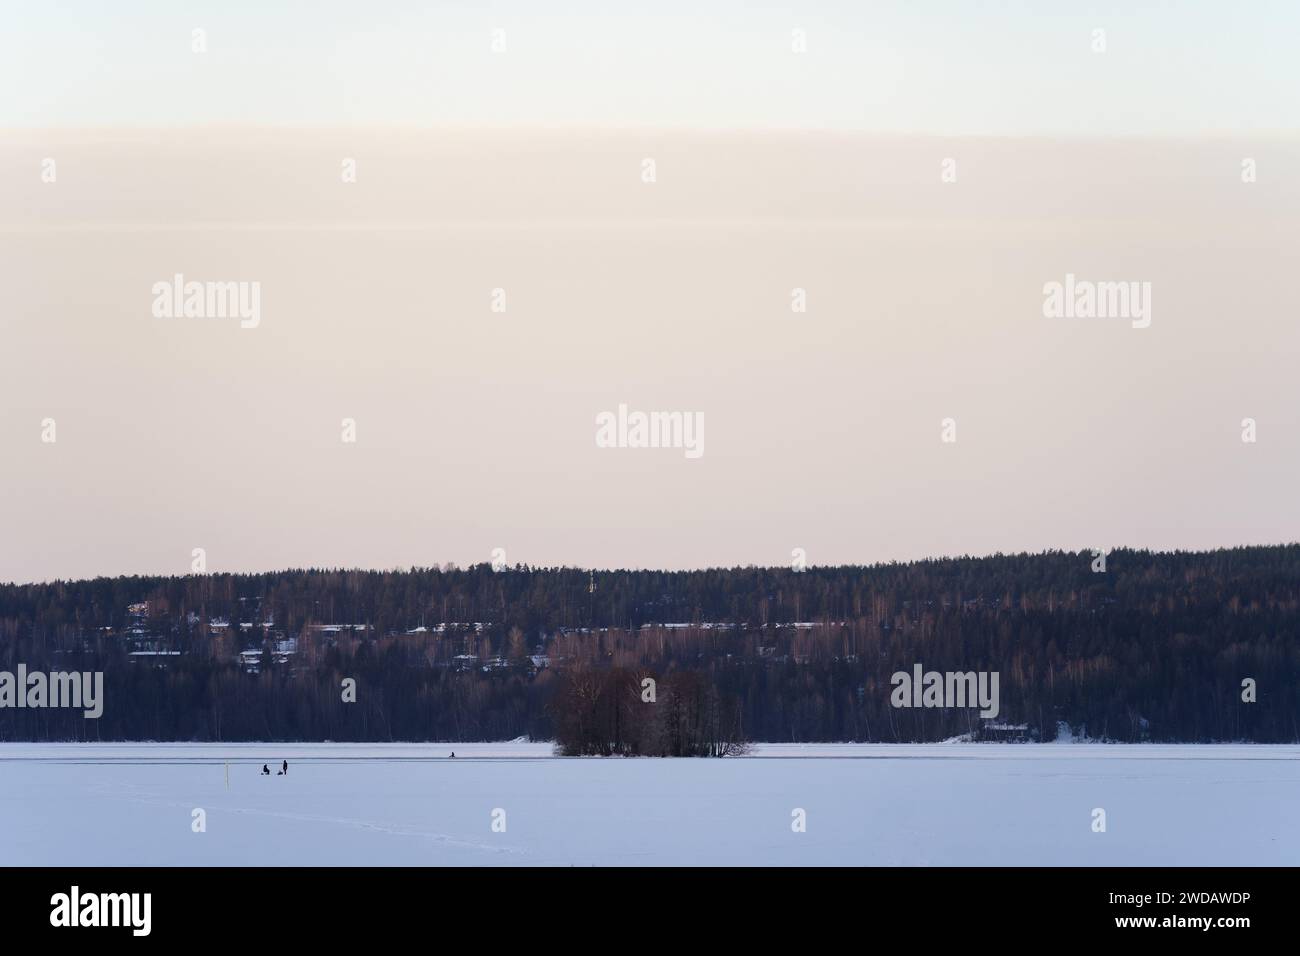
(543, 600)
(1155, 648)
(620, 712)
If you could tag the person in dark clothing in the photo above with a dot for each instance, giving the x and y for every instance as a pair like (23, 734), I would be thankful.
(285, 768)
(453, 753)
(266, 771)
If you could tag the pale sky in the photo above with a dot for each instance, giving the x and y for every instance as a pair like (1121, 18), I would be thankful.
(126, 159)
(950, 67)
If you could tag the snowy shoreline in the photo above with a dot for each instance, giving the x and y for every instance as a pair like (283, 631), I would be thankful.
(538, 750)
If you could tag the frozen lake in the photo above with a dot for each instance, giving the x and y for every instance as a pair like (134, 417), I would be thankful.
(408, 804)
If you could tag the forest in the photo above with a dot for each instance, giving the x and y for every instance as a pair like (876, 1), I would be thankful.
(1181, 646)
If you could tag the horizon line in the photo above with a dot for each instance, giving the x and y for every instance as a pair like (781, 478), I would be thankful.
(451, 567)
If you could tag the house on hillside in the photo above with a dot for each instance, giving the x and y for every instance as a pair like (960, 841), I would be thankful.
(1003, 733)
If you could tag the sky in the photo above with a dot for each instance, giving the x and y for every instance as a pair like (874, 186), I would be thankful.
(953, 68)
(837, 262)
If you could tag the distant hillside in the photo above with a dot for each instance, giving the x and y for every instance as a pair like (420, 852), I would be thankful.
(1155, 647)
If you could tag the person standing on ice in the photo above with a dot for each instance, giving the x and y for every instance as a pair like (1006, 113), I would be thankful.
(285, 768)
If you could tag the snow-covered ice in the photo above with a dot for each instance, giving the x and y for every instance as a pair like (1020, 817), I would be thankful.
(408, 804)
